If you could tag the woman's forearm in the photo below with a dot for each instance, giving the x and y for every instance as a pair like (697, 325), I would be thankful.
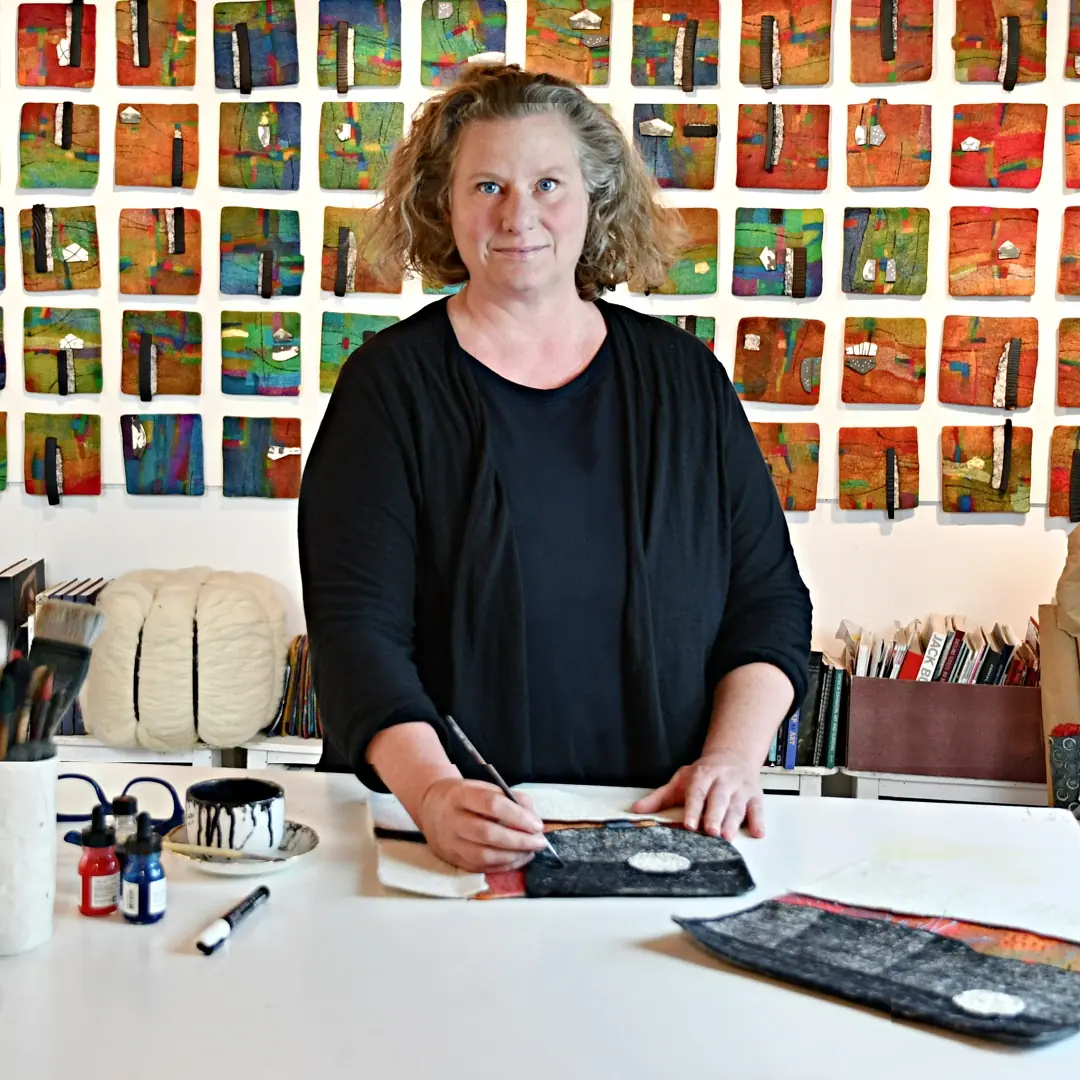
(409, 758)
(748, 706)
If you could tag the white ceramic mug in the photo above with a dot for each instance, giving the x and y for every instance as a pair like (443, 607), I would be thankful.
(241, 814)
(27, 853)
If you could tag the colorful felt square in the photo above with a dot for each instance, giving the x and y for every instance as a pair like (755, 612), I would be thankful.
(783, 147)
(62, 454)
(569, 38)
(161, 251)
(998, 145)
(3, 354)
(1002, 41)
(897, 50)
(356, 139)
(157, 145)
(785, 43)
(888, 145)
(1068, 365)
(359, 43)
(777, 252)
(454, 33)
(1069, 267)
(255, 45)
(155, 42)
(438, 288)
(62, 350)
(778, 359)
(260, 252)
(162, 353)
(1072, 58)
(343, 332)
(260, 353)
(885, 250)
(675, 45)
(163, 453)
(879, 468)
(695, 269)
(259, 145)
(1072, 146)
(261, 457)
(701, 326)
(60, 249)
(884, 361)
(986, 470)
(56, 44)
(988, 362)
(3, 451)
(59, 145)
(791, 453)
(3, 251)
(1065, 473)
(347, 259)
(992, 251)
(678, 143)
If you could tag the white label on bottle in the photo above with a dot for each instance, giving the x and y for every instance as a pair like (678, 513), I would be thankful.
(157, 896)
(103, 890)
(129, 901)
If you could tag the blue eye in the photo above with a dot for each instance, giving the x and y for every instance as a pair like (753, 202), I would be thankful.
(488, 187)
(551, 184)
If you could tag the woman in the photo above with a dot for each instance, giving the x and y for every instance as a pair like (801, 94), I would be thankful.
(540, 513)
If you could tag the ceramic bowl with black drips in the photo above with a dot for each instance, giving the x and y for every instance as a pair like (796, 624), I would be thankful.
(241, 814)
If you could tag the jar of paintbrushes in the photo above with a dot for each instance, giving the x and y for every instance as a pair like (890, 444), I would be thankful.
(35, 693)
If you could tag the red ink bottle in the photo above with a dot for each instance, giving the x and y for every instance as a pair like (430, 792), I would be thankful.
(99, 867)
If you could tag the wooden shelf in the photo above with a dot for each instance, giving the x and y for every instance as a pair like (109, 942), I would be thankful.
(88, 749)
(266, 752)
(872, 785)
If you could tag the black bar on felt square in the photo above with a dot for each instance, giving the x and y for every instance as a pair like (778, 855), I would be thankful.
(342, 57)
(798, 273)
(146, 367)
(243, 51)
(690, 324)
(62, 386)
(179, 239)
(266, 286)
(52, 458)
(776, 215)
(768, 30)
(1012, 374)
(75, 53)
(1012, 62)
(1006, 458)
(41, 241)
(890, 481)
(689, 48)
(367, 336)
(770, 135)
(888, 45)
(700, 131)
(1074, 487)
(65, 125)
(177, 160)
(341, 280)
(142, 21)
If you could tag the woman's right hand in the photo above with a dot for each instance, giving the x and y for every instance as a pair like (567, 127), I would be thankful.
(474, 826)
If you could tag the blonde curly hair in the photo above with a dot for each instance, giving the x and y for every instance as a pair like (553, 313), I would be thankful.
(629, 234)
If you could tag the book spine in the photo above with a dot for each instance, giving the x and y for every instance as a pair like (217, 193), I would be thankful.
(834, 716)
(792, 744)
(931, 658)
(951, 657)
(828, 674)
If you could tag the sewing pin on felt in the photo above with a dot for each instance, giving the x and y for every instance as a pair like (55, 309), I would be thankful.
(491, 770)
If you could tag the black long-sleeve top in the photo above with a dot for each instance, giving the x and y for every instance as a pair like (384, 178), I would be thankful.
(412, 573)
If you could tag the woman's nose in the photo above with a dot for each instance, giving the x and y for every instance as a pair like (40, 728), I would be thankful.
(519, 212)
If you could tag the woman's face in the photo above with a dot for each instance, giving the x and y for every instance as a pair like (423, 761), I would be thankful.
(518, 206)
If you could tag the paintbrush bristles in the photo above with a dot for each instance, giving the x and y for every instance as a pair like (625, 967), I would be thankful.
(71, 624)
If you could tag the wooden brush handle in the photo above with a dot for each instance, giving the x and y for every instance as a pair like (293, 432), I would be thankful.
(219, 853)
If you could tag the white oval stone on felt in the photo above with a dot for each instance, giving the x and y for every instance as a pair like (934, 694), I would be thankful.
(989, 1003)
(659, 862)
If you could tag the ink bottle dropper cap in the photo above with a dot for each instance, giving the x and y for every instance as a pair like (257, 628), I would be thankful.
(98, 834)
(124, 806)
(145, 841)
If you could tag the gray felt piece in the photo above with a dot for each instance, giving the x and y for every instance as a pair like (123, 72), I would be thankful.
(596, 863)
(911, 974)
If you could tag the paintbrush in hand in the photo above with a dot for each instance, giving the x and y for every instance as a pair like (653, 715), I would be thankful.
(64, 635)
(492, 772)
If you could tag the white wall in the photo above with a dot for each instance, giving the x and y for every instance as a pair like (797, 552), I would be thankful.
(858, 565)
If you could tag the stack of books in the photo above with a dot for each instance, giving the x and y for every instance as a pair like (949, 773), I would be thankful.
(298, 713)
(810, 735)
(20, 583)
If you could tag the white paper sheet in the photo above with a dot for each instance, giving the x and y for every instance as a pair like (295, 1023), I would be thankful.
(413, 868)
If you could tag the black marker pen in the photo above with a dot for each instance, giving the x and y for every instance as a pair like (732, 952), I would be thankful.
(220, 929)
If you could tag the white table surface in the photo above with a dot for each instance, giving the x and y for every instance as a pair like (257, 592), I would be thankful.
(334, 978)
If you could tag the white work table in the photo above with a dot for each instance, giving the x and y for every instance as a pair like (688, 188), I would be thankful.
(333, 978)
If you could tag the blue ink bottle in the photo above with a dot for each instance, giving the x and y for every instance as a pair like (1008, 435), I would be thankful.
(142, 888)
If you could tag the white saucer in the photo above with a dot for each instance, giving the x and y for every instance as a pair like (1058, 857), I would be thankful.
(299, 840)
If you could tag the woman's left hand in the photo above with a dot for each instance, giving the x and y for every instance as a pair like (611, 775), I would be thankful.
(719, 791)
